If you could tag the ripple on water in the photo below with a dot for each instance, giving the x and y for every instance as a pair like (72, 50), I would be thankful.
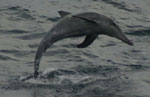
(143, 32)
(14, 31)
(6, 58)
(54, 19)
(31, 36)
(123, 5)
(21, 12)
(17, 52)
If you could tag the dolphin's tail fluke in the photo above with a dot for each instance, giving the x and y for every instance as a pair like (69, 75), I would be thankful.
(45, 43)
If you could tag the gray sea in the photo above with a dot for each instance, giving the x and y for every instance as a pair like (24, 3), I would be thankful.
(107, 68)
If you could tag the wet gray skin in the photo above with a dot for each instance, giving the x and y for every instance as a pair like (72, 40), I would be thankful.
(87, 24)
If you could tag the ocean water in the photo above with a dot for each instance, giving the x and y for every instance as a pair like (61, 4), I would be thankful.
(107, 68)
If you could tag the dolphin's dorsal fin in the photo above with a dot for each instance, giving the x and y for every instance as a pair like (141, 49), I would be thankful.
(88, 40)
(63, 13)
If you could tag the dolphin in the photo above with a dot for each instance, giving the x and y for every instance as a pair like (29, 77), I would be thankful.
(89, 24)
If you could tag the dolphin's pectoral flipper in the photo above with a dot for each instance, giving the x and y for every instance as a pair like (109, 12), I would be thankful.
(63, 13)
(88, 40)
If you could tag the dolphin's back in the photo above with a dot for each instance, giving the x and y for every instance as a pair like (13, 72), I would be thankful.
(94, 17)
(98, 18)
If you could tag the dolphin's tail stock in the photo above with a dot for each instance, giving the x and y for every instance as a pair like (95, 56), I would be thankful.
(45, 43)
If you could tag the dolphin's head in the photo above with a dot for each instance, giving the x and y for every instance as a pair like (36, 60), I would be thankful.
(115, 31)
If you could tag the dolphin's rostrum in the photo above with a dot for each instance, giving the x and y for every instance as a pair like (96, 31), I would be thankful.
(89, 24)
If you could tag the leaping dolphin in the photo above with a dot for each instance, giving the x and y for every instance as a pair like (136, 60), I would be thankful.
(89, 24)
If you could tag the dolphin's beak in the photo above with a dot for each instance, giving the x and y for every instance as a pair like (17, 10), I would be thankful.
(124, 39)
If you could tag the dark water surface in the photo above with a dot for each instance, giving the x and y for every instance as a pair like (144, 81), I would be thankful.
(107, 68)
